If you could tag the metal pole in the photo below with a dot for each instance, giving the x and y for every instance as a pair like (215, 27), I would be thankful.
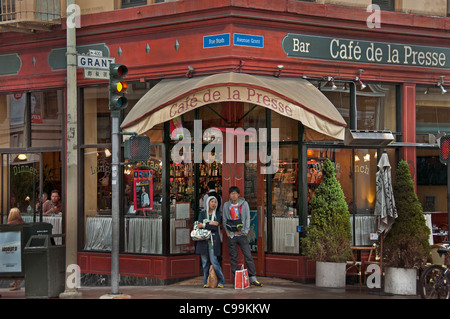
(115, 277)
(71, 209)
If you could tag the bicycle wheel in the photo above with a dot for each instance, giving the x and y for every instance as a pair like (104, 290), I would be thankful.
(433, 285)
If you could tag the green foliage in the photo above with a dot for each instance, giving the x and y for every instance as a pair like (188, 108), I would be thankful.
(406, 244)
(328, 235)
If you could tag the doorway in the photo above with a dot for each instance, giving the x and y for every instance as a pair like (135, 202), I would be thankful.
(240, 166)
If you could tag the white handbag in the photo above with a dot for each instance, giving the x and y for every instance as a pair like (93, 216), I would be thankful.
(200, 233)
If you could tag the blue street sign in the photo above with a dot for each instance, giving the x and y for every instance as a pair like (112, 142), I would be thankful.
(248, 40)
(216, 40)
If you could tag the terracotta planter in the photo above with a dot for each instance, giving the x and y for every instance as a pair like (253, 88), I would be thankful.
(400, 281)
(330, 274)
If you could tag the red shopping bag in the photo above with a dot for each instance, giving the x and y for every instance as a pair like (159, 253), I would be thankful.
(241, 279)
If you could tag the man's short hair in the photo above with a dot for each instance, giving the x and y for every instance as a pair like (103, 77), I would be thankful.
(211, 185)
(234, 189)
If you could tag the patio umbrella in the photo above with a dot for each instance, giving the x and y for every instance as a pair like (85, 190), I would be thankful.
(385, 210)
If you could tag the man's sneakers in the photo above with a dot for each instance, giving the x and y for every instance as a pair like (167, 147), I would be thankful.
(256, 283)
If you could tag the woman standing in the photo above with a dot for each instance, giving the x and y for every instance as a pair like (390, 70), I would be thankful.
(210, 219)
(14, 218)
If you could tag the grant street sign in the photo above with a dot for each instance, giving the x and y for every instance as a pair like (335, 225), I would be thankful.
(94, 62)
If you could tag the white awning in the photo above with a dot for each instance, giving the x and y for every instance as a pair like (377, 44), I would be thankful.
(291, 97)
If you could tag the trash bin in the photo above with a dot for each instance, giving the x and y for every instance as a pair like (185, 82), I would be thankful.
(44, 267)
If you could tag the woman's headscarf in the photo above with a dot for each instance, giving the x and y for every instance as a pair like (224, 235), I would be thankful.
(213, 216)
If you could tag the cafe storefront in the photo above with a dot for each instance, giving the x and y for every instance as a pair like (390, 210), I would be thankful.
(286, 91)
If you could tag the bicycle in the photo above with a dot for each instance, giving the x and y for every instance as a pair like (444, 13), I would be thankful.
(434, 282)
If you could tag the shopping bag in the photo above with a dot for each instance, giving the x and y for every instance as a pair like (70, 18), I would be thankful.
(212, 278)
(241, 279)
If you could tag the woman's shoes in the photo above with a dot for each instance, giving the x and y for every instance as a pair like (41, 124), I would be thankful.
(218, 286)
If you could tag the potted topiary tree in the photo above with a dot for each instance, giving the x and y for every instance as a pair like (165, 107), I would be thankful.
(328, 236)
(406, 246)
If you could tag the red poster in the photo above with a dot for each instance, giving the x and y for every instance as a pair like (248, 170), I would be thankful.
(143, 190)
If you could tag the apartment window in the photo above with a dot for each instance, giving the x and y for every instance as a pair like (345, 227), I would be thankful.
(133, 3)
(388, 5)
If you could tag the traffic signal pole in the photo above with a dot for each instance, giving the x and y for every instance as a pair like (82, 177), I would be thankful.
(117, 102)
(115, 212)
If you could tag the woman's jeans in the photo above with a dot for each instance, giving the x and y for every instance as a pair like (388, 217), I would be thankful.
(206, 262)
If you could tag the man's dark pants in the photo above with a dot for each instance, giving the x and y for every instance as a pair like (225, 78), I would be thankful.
(242, 242)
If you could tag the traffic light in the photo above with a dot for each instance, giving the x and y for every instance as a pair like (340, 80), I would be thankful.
(444, 149)
(117, 87)
(137, 148)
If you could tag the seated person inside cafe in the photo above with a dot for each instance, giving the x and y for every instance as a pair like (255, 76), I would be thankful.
(56, 205)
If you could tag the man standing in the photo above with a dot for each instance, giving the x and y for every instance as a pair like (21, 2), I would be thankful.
(236, 219)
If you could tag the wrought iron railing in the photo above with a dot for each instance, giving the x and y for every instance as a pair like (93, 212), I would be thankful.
(35, 11)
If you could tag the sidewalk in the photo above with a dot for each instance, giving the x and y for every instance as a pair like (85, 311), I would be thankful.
(191, 289)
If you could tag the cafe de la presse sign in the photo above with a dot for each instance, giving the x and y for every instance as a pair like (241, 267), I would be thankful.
(351, 50)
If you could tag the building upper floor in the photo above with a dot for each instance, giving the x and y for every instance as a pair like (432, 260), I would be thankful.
(31, 15)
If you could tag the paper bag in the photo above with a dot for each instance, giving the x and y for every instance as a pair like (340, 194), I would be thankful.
(212, 278)
(241, 279)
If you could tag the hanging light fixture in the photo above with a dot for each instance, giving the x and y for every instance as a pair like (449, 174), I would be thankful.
(441, 85)
(333, 86)
(358, 79)
(278, 72)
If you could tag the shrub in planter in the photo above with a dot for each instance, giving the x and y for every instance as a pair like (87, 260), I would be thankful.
(406, 244)
(328, 236)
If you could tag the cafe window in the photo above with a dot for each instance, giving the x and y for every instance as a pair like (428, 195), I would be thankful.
(376, 103)
(142, 227)
(142, 202)
(97, 119)
(13, 120)
(40, 112)
(356, 173)
(46, 118)
(432, 119)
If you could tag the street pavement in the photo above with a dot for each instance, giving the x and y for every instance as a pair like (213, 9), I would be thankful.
(188, 299)
(191, 289)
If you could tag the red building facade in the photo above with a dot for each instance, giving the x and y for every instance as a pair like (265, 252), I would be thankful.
(328, 46)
